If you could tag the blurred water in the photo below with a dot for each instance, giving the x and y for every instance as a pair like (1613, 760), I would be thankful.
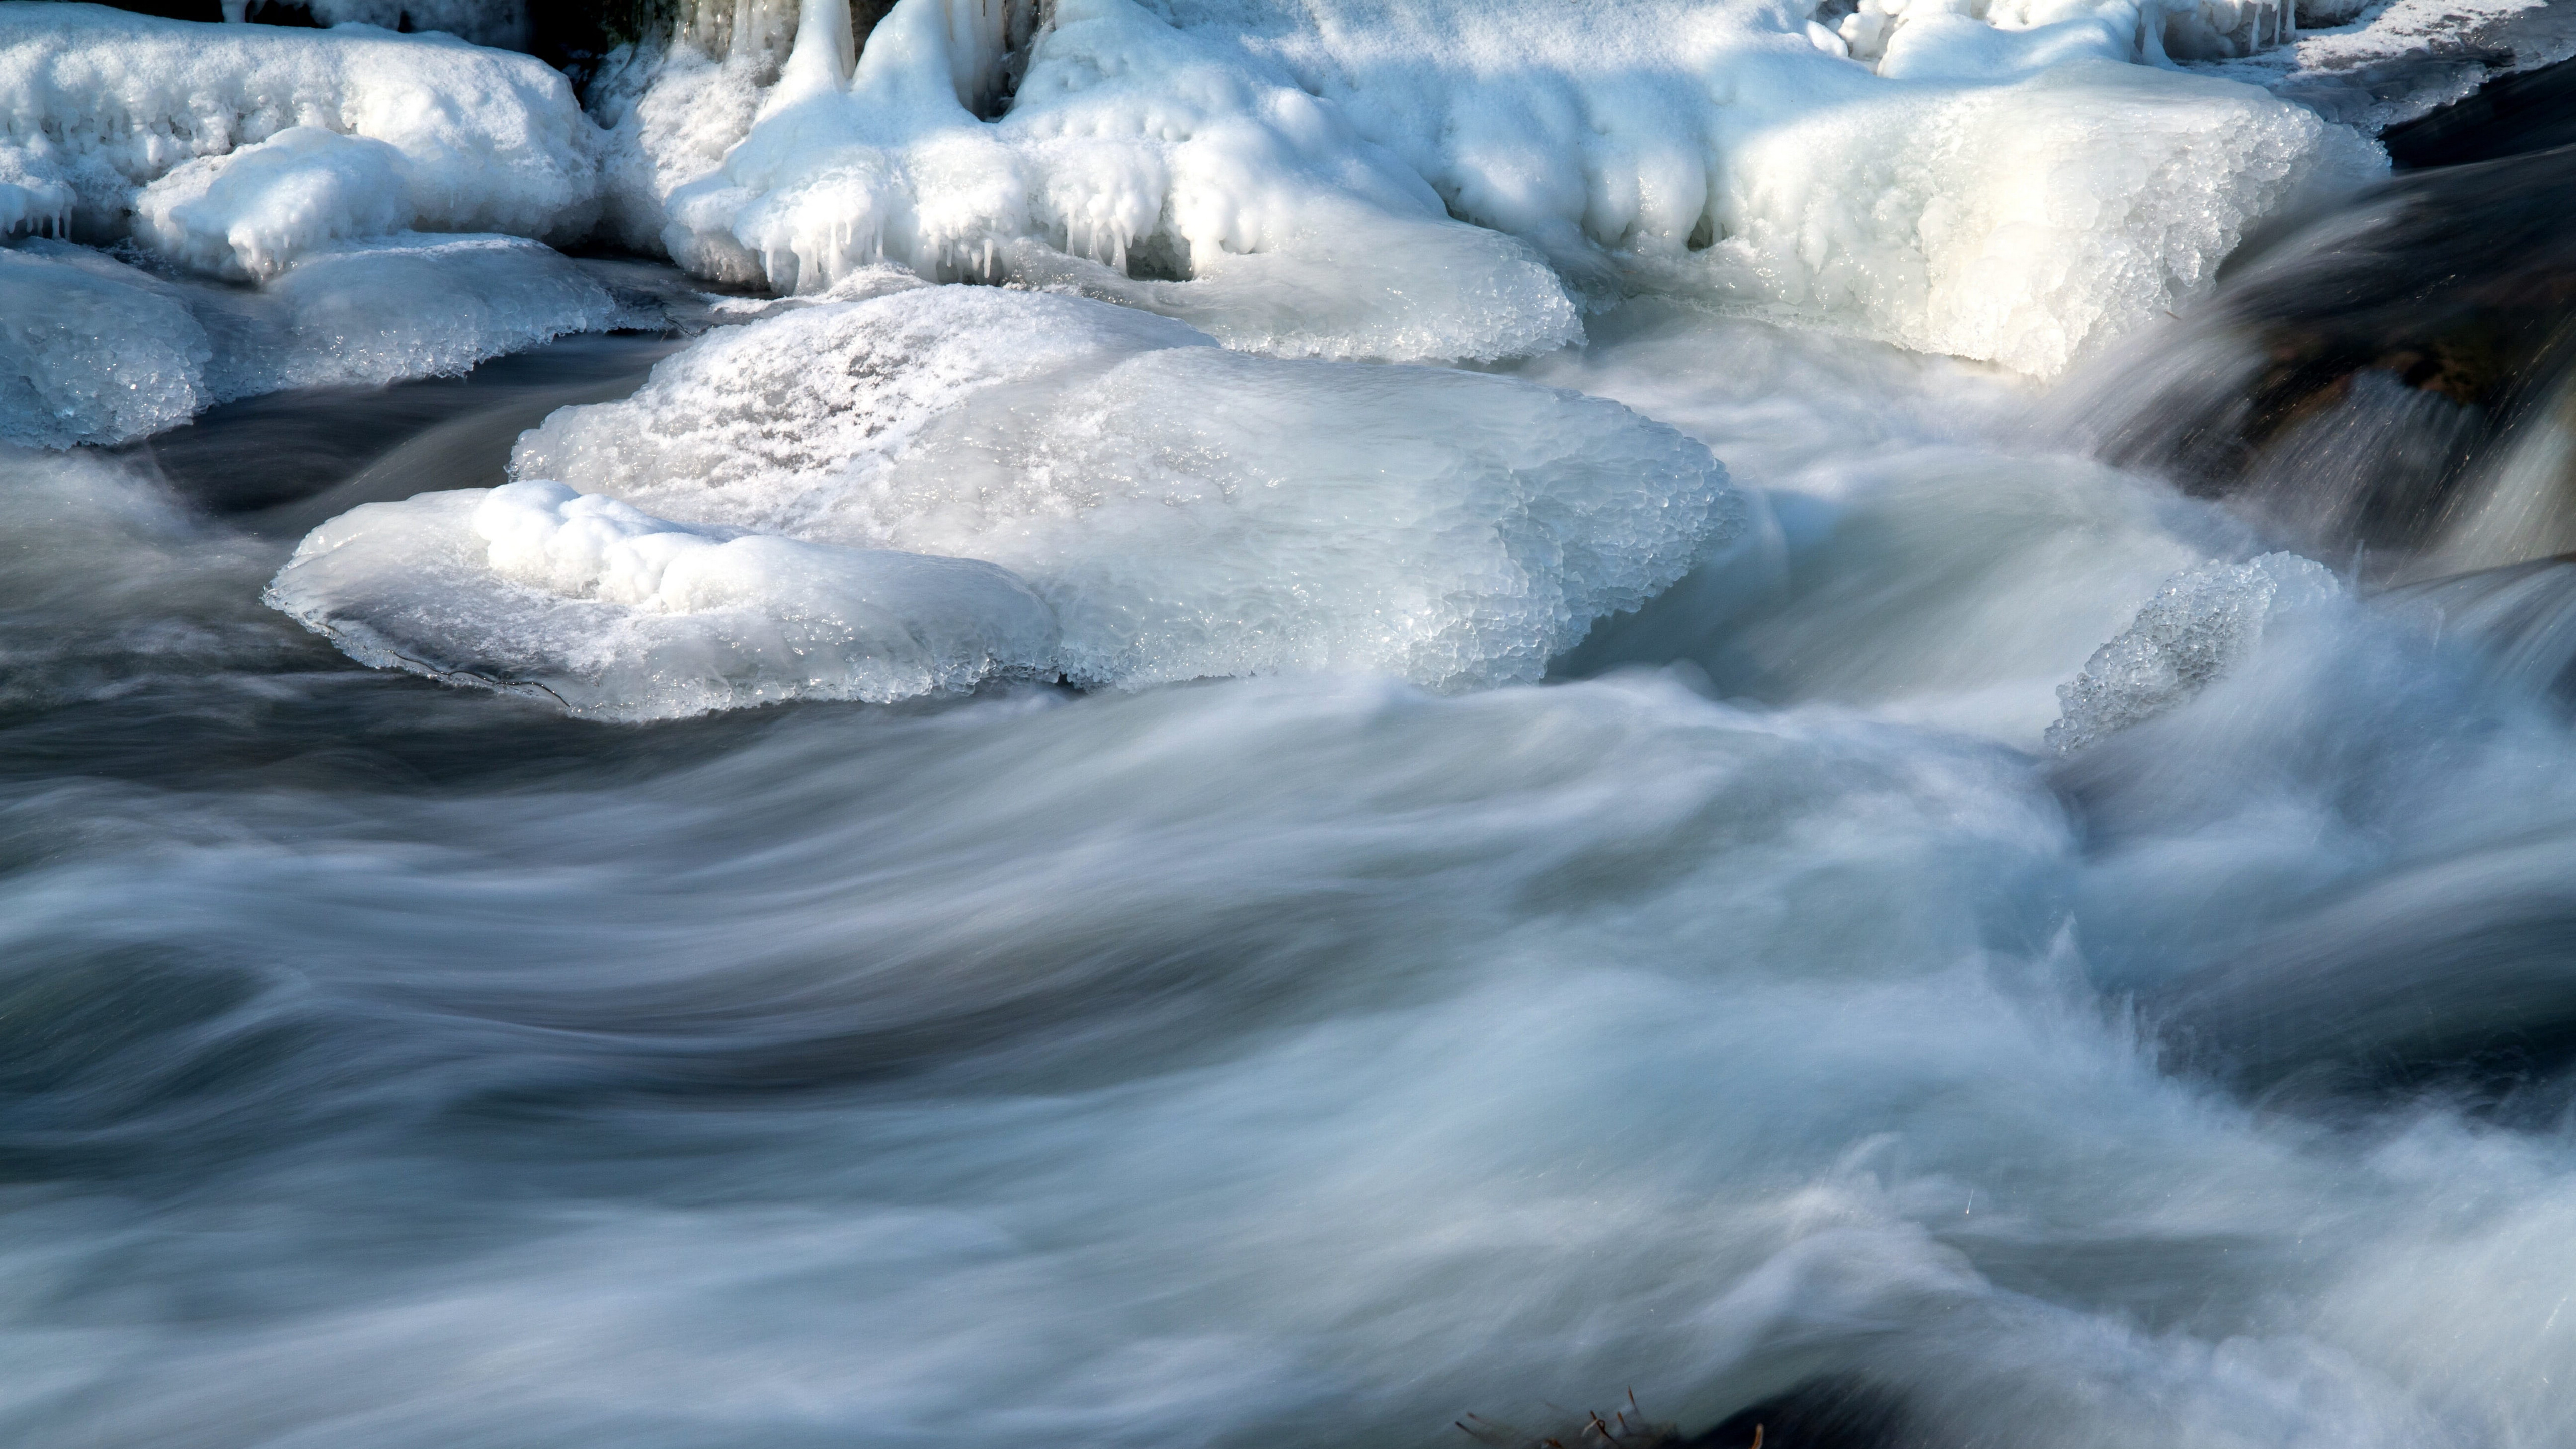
(1757, 1017)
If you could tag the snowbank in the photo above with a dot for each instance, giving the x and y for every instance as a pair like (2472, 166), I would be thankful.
(1450, 178)
(95, 351)
(612, 613)
(485, 22)
(1188, 512)
(98, 105)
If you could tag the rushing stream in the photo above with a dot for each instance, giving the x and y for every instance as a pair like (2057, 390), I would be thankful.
(1997, 912)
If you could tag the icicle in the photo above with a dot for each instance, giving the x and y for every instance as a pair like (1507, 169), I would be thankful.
(823, 55)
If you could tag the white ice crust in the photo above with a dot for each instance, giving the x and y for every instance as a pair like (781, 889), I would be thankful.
(1188, 512)
(484, 22)
(611, 613)
(281, 139)
(250, 213)
(2195, 630)
(376, 187)
(1365, 178)
(95, 351)
(1182, 512)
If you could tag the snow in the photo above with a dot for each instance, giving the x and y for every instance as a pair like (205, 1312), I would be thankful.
(485, 22)
(97, 105)
(2373, 64)
(614, 614)
(1188, 512)
(1455, 180)
(249, 214)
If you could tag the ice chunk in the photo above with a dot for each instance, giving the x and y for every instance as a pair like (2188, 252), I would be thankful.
(107, 103)
(1360, 178)
(249, 213)
(2193, 631)
(34, 196)
(92, 351)
(1143, 149)
(363, 314)
(95, 351)
(1188, 512)
(534, 589)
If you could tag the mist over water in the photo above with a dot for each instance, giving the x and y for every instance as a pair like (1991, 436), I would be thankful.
(1997, 913)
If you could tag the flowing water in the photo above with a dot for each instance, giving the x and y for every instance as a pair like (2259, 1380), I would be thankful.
(1760, 1017)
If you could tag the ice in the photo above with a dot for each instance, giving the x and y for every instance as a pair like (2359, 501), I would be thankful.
(240, 152)
(2190, 634)
(250, 213)
(1974, 39)
(1354, 178)
(614, 614)
(99, 351)
(2373, 64)
(485, 22)
(92, 351)
(1189, 512)
(102, 104)
(34, 197)
(363, 314)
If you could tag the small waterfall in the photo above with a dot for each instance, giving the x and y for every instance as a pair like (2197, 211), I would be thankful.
(2390, 379)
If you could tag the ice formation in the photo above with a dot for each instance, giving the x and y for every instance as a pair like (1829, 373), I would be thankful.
(249, 213)
(485, 22)
(2196, 629)
(98, 105)
(1355, 178)
(1189, 512)
(534, 589)
(93, 350)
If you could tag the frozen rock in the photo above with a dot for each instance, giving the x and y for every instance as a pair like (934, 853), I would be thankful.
(1188, 512)
(614, 614)
(102, 104)
(363, 314)
(98, 351)
(92, 351)
(250, 213)
(2196, 629)
(1449, 178)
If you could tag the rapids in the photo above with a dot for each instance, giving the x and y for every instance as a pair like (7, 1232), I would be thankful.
(1964, 911)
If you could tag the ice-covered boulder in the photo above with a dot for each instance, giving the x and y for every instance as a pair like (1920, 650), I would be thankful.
(97, 105)
(250, 213)
(93, 350)
(614, 614)
(1451, 178)
(1187, 511)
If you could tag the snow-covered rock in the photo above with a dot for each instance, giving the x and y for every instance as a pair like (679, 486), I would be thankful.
(429, 134)
(1457, 178)
(614, 614)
